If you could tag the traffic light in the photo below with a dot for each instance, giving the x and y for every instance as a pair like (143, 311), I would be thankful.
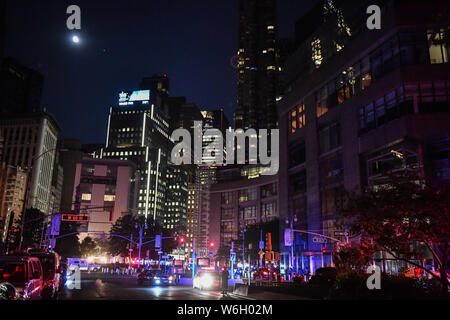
(181, 239)
(211, 244)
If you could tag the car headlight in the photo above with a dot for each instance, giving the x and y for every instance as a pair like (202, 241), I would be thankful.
(206, 281)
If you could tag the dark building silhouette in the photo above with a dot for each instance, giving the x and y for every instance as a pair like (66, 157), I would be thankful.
(20, 87)
(2, 27)
(258, 65)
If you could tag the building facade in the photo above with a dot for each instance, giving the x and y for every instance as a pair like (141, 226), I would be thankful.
(30, 142)
(138, 131)
(379, 103)
(12, 192)
(238, 201)
(104, 189)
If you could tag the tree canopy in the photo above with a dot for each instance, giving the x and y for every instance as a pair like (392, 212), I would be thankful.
(403, 217)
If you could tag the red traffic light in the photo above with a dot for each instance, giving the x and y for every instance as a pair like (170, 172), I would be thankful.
(211, 244)
(181, 239)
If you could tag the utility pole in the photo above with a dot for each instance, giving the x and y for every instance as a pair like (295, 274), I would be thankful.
(193, 258)
(243, 250)
(140, 245)
(130, 250)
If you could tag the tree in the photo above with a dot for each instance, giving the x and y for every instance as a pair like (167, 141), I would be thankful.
(88, 247)
(350, 257)
(127, 225)
(68, 244)
(402, 216)
(32, 231)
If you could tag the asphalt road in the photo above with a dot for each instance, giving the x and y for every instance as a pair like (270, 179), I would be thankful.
(99, 286)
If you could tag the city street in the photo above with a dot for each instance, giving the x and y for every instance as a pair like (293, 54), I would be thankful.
(100, 286)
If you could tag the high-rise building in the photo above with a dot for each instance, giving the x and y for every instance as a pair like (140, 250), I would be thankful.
(68, 160)
(176, 199)
(57, 183)
(376, 104)
(258, 65)
(12, 192)
(32, 136)
(205, 177)
(104, 189)
(20, 87)
(138, 132)
(2, 28)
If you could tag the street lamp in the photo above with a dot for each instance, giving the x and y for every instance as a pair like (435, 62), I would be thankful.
(25, 199)
(291, 222)
(141, 228)
(243, 250)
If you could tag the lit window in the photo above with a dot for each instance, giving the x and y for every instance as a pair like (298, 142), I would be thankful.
(316, 52)
(109, 197)
(86, 196)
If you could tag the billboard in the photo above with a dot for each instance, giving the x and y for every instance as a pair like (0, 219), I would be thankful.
(127, 98)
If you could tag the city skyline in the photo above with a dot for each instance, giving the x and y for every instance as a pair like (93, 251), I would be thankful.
(101, 55)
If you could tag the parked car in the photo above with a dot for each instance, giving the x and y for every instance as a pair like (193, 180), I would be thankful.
(265, 274)
(155, 278)
(207, 280)
(52, 272)
(8, 292)
(24, 273)
(324, 276)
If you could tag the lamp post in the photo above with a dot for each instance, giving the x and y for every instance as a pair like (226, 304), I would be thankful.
(290, 222)
(243, 250)
(27, 187)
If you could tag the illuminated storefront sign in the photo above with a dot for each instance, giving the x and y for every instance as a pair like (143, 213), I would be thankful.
(129, 98)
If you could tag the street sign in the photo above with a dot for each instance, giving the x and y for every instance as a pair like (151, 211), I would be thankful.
(261, 245)
(287, 237)
(320, 240)
(75, 217)
(56, 222)
(158, 241)
(261, 254)
(233, 256)
(341, 233)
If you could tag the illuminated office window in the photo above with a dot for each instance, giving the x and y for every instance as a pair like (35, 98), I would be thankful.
(86, 197)
(316, 52)
(109, 197)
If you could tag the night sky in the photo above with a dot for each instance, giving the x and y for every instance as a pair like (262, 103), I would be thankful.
(121, 42)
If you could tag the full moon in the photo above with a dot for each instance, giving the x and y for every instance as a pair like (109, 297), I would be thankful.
(75, 39)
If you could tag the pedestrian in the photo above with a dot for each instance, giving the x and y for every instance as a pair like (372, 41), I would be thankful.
(225, 276)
